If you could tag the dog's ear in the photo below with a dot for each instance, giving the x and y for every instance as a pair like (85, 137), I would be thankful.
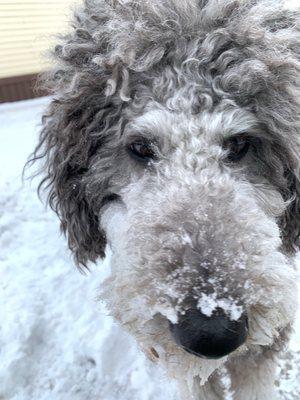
(290, 222)
(266, 79)
(67, 143)
(77, 123)
(282, 110)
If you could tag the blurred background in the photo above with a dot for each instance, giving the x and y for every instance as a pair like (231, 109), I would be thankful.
(27, 31)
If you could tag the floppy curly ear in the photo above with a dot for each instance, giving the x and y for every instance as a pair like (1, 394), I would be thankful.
(281, 110)
(67, 143)
(290, 222)
(80, 120)
(272, 33)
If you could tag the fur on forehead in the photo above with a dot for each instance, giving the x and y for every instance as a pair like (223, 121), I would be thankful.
(225, 120)
(224, 45)
(191, 55)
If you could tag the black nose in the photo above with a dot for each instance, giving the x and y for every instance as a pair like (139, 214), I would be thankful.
(209, 337)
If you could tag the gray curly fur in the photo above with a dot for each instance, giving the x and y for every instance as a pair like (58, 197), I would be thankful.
(120, 54)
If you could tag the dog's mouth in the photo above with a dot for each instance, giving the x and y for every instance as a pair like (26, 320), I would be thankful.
(210, 337)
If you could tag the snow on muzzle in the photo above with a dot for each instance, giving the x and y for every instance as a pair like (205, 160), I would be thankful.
(202, 256)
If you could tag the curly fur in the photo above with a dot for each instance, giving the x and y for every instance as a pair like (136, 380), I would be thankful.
(185, 74)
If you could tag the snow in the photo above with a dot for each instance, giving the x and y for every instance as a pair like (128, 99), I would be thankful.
(226, 382)
(209, 303)
(56, 339)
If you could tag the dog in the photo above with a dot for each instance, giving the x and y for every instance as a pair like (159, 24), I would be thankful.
(173, 137)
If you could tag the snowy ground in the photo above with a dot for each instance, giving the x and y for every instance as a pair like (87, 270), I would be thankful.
(56, 343)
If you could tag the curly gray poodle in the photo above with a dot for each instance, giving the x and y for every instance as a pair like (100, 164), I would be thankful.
(173, 137)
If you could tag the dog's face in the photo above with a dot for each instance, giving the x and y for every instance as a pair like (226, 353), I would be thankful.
(197, 262)
(178, 145)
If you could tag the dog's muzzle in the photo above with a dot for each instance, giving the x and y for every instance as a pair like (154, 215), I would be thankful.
(209, 337)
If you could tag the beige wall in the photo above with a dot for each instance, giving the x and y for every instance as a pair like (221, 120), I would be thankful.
(26, 32)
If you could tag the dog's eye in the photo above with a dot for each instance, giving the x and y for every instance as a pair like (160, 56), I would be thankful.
(141, 151)
(237, 147)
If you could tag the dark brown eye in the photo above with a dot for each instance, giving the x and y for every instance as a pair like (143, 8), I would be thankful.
(237, 147)
(141, 151)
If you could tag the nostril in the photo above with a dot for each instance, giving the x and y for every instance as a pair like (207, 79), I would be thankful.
(210, 337)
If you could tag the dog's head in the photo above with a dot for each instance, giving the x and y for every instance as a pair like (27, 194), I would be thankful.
(173, 135)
